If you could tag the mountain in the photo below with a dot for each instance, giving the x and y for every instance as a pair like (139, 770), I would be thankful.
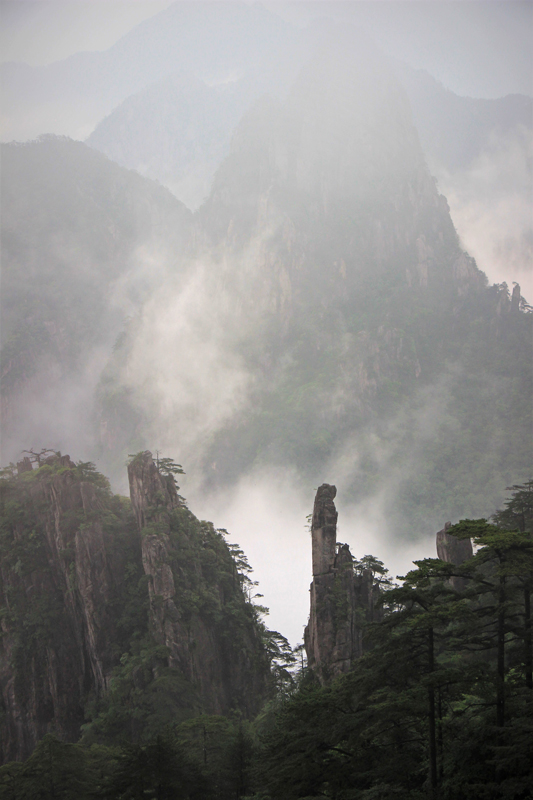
(176, 131)
(480, 152)
(317, 318)
(132, 100)
(215, 41)
(106, 600)
(455, 130)
(372, 312)
(317, 313)
(176, 127)
(363, 339)
(75, 596)
(83, 243)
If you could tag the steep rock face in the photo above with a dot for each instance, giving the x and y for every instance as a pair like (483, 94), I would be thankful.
(453, 551)
(324, 529)
(222, 659)
(59, 575)
(86, 581)
(336, 177)
(342, 601)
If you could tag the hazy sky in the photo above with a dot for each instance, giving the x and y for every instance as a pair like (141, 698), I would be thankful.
(42, 31)
(475, 47)
(479, 48)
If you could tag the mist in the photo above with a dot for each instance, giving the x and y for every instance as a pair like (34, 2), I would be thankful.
(491, 207)
(254, 266)
(44, 31)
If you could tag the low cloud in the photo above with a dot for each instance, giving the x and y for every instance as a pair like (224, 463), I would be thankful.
(54, 410)
(266, 511)
(491, 206)
(183, 368)
(266, 515)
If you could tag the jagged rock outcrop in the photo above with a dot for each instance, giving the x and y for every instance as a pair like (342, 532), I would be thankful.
(226, 666)
(453, 551)
(342, 600)
(152, 494)
(74, 600)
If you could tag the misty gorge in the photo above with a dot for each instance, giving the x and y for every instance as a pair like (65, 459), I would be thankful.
(279, 254)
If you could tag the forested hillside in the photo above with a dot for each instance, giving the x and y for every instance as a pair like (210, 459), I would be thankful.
(438, 705)
(119, 619)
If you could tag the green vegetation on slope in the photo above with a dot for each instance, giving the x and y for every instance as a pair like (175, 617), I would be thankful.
(79, 649)
(440, 706)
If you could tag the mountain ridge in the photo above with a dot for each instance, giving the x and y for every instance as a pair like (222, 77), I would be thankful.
(89, 593)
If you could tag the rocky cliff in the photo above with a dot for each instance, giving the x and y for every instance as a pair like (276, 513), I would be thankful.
(454, 551)
(209, 629)
(75, 603)
(342, 600)
(60, 577)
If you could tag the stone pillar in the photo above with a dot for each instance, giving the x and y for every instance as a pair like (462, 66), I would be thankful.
(515, 299)
(149, 490)
(324, 529)
(453, 551)
(341, 600)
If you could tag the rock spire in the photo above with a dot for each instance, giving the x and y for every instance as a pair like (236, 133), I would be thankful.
(453, 551)
(342, 599)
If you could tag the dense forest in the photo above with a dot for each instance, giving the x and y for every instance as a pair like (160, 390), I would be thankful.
(440, 705)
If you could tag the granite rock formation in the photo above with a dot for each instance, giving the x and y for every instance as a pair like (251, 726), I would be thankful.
(73, 597)
(453, 551)
(228, 669)
(59, 576)
(342, 600)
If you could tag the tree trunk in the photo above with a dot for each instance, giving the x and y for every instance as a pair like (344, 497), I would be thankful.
(432, 726)
(500, 683)
(528, 656)
(440, 738)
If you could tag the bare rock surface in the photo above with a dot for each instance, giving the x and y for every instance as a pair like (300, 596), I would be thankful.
(220, 670)
(453, 551)
(342, 600)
